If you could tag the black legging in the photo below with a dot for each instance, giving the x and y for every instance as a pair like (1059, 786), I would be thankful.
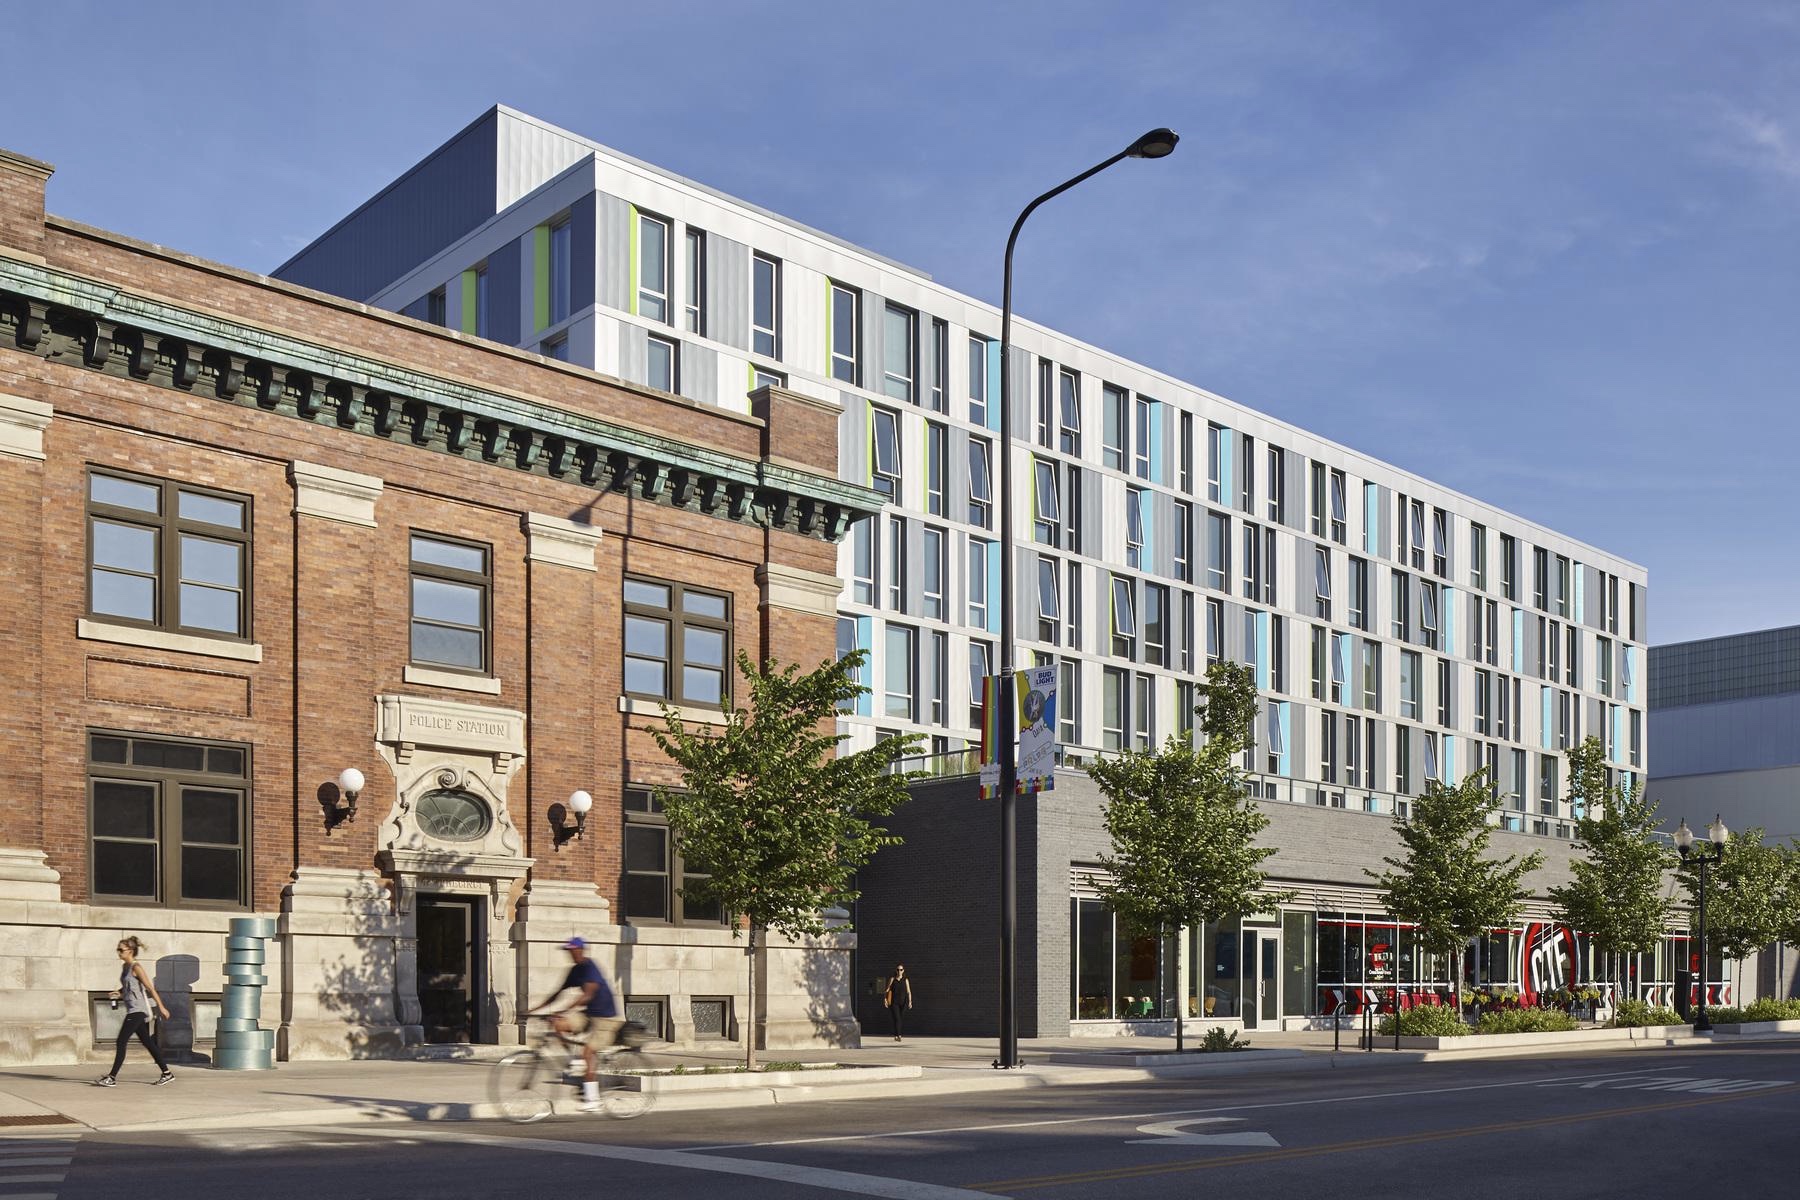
(899, 1011)
(138, 1023)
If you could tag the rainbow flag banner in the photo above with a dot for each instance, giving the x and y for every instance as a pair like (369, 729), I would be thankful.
(1035, 691)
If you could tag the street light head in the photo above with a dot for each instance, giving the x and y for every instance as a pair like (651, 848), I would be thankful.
(1716, 833)
(1158, 143)
(1684, 838)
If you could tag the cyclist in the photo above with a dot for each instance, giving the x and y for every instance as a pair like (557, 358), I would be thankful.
(592, 1013)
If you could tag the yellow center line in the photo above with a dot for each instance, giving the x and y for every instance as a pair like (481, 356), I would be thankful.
(1004, 1186)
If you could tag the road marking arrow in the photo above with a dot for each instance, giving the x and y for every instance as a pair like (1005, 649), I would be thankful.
(1174, 1133)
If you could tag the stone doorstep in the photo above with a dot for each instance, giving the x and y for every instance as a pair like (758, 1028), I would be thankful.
(833, 1075)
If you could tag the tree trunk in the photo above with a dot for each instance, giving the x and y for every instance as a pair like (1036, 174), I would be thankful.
(1180, 1000)
(750, 1024)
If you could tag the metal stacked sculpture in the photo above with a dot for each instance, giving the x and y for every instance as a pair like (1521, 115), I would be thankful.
(241, 1045)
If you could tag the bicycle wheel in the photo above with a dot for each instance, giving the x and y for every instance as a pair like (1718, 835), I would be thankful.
(621, 1099)
(521, 1086)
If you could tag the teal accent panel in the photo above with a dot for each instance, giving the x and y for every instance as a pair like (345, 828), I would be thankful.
(1447, 602)
(1227, 455)
(993, 391)
(1371, 542)
(1544, 736)
(1579, 613)
(864, 702)
(993, 583)
(1158, 414)
(1262, 652)
(1147, 522)
(1450, 776)
(1283, 761)
(1618, 732)
(1518, 654)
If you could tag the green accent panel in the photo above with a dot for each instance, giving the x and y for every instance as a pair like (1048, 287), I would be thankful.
(540, 277)
(634, 259)
(869, 418)
(469, 293)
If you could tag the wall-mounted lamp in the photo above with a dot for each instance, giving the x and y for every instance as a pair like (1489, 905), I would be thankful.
(350, 785)
(561, 830)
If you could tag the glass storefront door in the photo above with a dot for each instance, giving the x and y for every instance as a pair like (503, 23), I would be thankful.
(1262, 978)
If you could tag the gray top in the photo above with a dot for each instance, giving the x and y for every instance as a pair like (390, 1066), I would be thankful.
(131, 989)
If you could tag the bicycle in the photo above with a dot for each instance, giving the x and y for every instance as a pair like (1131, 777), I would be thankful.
(523, 1085)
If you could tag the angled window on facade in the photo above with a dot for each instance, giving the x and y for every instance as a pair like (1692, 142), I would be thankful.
(981, 487)
(931, 542)
(884, 431)
(1069, 412)
(168, 820)
(1134, 528)
(166, 556)
(1047, 520)
(1049, 602)
(653, 268)
(846, 334)
(1124, 619)
(765, 306)
(677, 643)
(452, 587)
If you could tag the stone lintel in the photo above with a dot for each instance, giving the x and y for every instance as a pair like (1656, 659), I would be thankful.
(335, 495)
(561, 541)
(799, 589)
(22, 425)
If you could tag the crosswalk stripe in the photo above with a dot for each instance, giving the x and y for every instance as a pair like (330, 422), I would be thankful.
(7, 1180)
(62, 1160)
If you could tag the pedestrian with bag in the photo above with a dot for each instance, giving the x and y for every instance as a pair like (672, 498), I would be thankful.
(898, 998)
(139, 994)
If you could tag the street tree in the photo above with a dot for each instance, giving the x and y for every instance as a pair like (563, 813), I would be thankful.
(1751, 899)
(774, 821)
(1182, 827)
(1616, 894)
(1446, 883)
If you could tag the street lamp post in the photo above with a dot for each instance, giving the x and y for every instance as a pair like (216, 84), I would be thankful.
(1158, 143)
(1716, 833)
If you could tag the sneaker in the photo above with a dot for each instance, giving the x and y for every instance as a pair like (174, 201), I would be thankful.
(167, 1077)
(106, 1081)
(590, 1106)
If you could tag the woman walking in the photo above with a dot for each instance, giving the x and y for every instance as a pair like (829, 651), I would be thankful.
(898, 998)
(138, 993)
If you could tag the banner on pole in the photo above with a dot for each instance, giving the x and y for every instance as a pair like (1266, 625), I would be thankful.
(1034, 691)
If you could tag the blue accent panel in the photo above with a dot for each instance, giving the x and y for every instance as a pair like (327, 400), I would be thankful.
(1262, 652)
(426, 209)
(864, 701)
(1283, 761)
(993, 581)
(1544, 737)
(1631, 675)
(584, 232)
(1518, 651)
(1620, 750)
(1579, 615)
(1371, 542)
(993, 390)
(1158, 414)
(1447, 602)
(506, 284)
(1227, 455)
(1451, 778)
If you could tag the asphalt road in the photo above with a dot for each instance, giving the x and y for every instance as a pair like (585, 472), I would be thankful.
(1643, 1125)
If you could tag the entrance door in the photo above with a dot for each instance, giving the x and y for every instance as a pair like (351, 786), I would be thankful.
(1262, 978)
(448, 956)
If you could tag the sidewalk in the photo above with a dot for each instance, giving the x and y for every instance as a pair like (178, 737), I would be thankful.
(36, 1099)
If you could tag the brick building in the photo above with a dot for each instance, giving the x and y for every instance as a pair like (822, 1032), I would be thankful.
(254, 536)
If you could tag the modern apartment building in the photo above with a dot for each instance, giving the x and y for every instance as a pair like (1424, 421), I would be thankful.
(1399, 630)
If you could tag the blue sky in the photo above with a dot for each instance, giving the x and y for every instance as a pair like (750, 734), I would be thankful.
(1544, 253)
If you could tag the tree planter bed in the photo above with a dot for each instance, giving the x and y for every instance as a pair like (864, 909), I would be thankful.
(1495, 1043)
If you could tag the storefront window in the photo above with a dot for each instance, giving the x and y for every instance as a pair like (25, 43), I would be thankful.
(1119, 974)
(1299, 963)
(1092, 929)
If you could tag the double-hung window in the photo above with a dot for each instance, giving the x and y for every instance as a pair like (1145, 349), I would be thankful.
(653, 268)
(1410, 685)
(900, 698)
(1478, 556)
(1184, 541)
(677, 643)
(1218, 552)
(166, 556)
(936, 447)
(1143, 413)
(168, 820)
(884, 452)
(765, 306)
(1156, 624)
(931, 549)
(1215, 631)
(846, 334)
(658, 886)
(1275, 485)
(1428, 613)
(900, 354)
(981, 484)
(897, 576)
(1359, 594)
(864, 570)
(452, 591)
(1402, 607)
(979, 549)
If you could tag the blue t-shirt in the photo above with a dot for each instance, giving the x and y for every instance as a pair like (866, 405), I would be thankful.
(601, 1003)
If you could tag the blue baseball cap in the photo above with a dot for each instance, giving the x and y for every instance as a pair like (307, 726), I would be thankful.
(575, 943)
